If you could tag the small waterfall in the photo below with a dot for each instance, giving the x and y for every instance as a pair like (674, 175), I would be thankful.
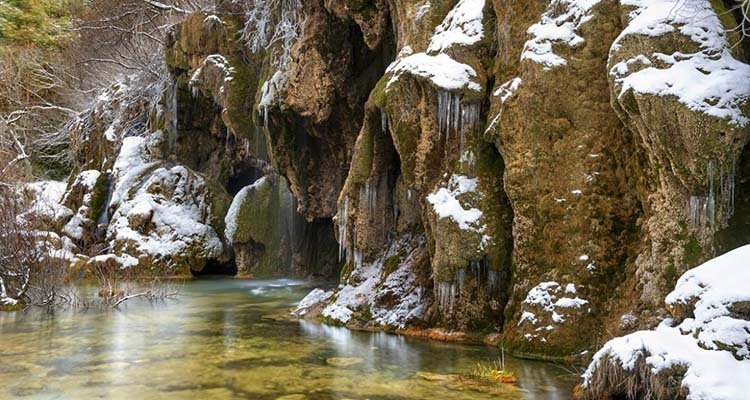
(260, 144)
(461, 279)
(358, 259)
(342, 220)
(468, 160)
(104, 215)
(383, 121)
(173, 125)
(288, 213)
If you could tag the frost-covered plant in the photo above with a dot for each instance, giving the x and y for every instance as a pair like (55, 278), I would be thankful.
(273, 26)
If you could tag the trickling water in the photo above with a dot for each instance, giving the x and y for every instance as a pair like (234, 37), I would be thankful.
(461, 279)
(260, 144)
(104, 216)
(468, 160)
(342, 219)
(383, 122)
(173, 109)
(358, 259)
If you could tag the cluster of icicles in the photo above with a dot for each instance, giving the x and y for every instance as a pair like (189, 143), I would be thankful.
(707, 210)
(448, 292)
(457, 117)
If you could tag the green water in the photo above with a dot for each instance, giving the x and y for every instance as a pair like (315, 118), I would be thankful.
(213, 343)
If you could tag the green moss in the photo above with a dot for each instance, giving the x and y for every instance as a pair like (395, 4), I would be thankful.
(391, 264)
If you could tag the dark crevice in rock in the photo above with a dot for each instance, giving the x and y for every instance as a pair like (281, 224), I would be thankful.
(214, 267)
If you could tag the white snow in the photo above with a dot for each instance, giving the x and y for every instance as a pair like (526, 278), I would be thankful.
(172, 202)
(442, 70)
(47, 196)
(709, 80)
(713, 372)
(557, 28)
(366, 287)
(86, 181)
(462, 26)
(714, 287)
(547, 297)
(446, 204)
(315, 297)
(422, 10)
(129, 167)
(271, 90)
(179, 221)
(508, 89)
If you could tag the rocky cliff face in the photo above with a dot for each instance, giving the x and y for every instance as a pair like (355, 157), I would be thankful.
(541, 169)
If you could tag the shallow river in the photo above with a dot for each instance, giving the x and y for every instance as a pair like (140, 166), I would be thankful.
(213, 343)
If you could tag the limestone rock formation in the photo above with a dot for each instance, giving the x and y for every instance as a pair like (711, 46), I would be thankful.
(545, 170)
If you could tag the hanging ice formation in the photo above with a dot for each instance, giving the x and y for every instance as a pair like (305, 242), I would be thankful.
(480, 270)
(454, 116)
(716, 206)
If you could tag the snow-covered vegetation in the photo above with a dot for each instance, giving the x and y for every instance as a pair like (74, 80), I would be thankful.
(705, 346)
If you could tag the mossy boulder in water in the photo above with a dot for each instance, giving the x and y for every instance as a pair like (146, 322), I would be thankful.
(259, 227)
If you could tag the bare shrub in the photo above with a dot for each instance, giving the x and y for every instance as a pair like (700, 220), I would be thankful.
(273, 26)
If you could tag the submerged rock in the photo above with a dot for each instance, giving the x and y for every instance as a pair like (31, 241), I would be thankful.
(344, 362)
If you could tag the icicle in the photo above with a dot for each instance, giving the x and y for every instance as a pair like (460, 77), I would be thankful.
(358, 258)
(708, 210)
(461, 279)
(383, 122)
(446, 294)
(492, 280)
(469, 122)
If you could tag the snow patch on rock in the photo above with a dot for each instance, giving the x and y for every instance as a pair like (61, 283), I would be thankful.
(559, 25)
(446, 204)
(462, 26)
(711, 345)
(709, 80)
(443, 71)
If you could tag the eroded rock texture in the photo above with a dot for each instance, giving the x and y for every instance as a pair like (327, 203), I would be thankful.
(541, 169)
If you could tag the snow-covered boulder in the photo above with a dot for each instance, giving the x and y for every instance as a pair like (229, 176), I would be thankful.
(384, 293)
(170, 219)
(704, 353)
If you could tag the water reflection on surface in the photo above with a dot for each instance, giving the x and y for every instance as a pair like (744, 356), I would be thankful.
(212, 343)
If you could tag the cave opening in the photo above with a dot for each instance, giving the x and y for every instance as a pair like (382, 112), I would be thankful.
(216, 268)
(243, 174)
